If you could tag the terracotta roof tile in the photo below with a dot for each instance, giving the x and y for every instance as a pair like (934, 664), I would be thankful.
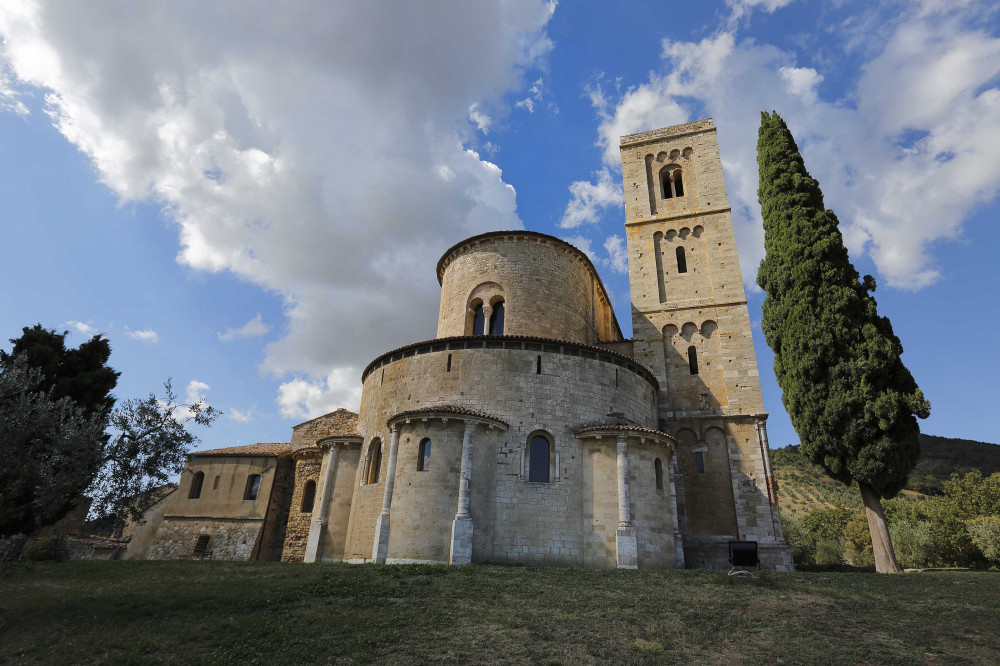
(619, 427)
(260, 449)
(458, 410)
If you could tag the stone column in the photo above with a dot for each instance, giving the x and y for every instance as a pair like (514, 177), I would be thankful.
(487, 313)
(625, 538)
(381, 544)
(316, 529)
(461, 527)
(678, 536)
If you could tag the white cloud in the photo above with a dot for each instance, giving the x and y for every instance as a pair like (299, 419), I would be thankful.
(304, 399)
(536, 95)
(86, 328)
(480, 119)
(9, 103)
(590, 198)
(195, 391)
(582, 243)
(617, 254)
(741, 8)
(241, 416)
(305, 160)
(254, 328)
(145, 335)
(903, 165)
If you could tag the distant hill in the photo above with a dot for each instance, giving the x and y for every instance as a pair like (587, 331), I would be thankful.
(803, 486)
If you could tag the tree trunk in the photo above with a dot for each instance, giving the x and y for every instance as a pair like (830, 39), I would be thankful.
(885, 556)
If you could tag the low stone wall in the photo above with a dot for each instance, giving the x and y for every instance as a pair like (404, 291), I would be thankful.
(713, 553)
(229, 539)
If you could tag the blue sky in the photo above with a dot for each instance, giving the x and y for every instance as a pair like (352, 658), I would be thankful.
(252, 200)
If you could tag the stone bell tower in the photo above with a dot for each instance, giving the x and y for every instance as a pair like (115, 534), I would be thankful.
(691, 327)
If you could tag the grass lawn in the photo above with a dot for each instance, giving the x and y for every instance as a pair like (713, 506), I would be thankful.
(223, 612)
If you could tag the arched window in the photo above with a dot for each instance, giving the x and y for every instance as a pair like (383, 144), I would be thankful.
(678, 183)
(478, 320)
(196, 484)
(215, 485)
(308, 496)
(373, 463)
(668, 192)
(424, 455)
(658, 467)
(253, 487)
(693, 360)
(538, 459)
(682, 262)
(672, 182)
(699, 461)
(496, 319)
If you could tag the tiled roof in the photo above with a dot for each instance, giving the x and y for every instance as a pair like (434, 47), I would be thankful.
(630, 362)
(261, 449)
(458, 410)
(617, 427)
(341, 423)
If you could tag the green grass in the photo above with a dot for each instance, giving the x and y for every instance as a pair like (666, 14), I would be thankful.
(221, 613)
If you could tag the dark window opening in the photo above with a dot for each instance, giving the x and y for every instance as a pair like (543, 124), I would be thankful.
(667, 190)
(678, 184)
(538, 365)
(424, 456)
(682, 262)
(448, 369)
(699, 461)
(496, 319)
(215, 485)
(538, 460)
(374, 467)
(196, 483)
(253, 487)
(382, 381)
(693, 360)
(478, 320)
(308, 497)
(201, 545)
(658, 467)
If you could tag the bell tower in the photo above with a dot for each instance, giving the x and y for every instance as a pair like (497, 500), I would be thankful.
(691, 327)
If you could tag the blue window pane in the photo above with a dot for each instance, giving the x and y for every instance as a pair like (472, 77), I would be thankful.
(496, 319)
(538, 460)
(478, 321)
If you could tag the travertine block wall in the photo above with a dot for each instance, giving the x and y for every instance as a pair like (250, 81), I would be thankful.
(297, 533)
(550, 289)
(534, 523)
(344, 483)
(230, 539)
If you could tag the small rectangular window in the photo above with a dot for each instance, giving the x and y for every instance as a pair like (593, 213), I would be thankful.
(538, 365)
(448, 369)
(201, 545)
(699, 461)
(253, 487)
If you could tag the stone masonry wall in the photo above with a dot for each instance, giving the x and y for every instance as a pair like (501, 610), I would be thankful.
(229, 539)
(533, 523)
(297, 532)
(548, 289)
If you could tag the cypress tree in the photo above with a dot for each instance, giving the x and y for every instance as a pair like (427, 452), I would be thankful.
(852, 401)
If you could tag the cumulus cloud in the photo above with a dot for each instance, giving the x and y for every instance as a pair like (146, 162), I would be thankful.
(145, 335)
(582, 243)
(254, 328)
(903, 165)
(304, 399)
(617, 260)
(589, 199)
(740, 8)
(300, 148)
(86, 328)
(242, 416)
(195, 391)
(9, 101)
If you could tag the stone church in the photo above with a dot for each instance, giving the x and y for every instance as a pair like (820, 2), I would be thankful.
(530, 430)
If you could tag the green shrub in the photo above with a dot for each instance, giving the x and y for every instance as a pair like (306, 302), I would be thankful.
(858, 541)
(913, 543)
(42, 550)
(797, 538)
(829, 552)
(985, 532)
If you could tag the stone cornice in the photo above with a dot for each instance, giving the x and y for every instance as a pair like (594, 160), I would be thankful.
(705, 212)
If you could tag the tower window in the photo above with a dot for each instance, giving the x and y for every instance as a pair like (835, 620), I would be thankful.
(496, 319)
(308, 496)
(448, 369)
(253, 487)
(672, 183)
(373, 463)
(699, 461)
(538, 365)
(693, 360)
(658, 468)
(682, 263)
(478, 320)
(196, 484)
(678, 183)
(424, 455)
(538, 460)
